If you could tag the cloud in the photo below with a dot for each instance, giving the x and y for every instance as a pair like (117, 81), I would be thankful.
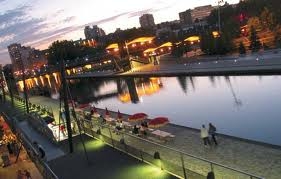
(140, 13)
(68, 19)
(108, 19)
(7, 38)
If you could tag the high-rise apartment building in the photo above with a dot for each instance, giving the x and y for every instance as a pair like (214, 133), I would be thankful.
(93, 33)
(147, 21)
(26, 58)
(201, 12)
(185, 17)
(20, 56)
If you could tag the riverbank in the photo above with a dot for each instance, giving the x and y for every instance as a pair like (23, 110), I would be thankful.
(245, 155)
(257, 64)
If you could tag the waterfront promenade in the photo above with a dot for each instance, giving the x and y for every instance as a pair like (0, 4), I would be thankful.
(75, 165)
(249, 156)
(252, 64)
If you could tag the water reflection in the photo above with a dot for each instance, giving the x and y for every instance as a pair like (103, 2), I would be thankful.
(183, 83)
(210, 99)
(237, 102)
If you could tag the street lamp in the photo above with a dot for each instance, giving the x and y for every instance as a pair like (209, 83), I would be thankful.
(24, 86)
(219, 15)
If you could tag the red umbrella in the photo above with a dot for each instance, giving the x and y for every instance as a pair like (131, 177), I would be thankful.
(137, 117)
(71, 102)
(119, 115)
(158, 122)
(83, 106)
(94, 110)
(4, 125)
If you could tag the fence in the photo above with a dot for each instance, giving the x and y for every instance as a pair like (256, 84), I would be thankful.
(41, 165)
(172, 160)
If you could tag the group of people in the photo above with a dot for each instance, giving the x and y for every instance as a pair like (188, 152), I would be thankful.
(140, 130)
(23, 174)
(119, 126)
(210, 132)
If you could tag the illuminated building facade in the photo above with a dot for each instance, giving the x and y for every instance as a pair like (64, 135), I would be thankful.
(93, 33)
(147, 21)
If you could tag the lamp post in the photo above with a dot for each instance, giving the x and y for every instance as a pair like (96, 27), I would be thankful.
(65, 97)
(128, 53)
(219, 15)
(2, 82)
(24, 87)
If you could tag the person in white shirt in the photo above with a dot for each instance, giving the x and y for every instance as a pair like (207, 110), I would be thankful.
(205, 135)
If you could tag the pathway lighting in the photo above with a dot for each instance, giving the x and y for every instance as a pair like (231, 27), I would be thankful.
(156, 155)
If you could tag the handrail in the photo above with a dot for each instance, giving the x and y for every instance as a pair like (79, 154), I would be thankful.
(182, 152)
(27, 142)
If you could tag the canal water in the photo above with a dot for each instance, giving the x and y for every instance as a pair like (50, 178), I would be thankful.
(242, 106)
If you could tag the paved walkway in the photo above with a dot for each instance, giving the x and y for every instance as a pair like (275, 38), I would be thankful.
(249, 156)
(23, 163)
(75, 166)
(52, 151)
(105, 163)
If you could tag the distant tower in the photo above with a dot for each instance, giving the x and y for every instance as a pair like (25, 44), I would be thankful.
(20, 56)
(93, 33)
(185, 17)
(147, 21)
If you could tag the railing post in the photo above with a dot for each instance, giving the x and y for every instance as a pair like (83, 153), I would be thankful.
(183, 167)
(212, 167)
(141, 155)
(111, 137)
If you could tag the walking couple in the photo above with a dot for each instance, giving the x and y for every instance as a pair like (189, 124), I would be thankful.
(205, 133)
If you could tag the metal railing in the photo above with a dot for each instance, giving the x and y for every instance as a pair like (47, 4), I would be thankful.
(41, 165)
(172, 160)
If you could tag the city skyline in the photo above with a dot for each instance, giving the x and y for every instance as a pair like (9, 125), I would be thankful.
(37, 23)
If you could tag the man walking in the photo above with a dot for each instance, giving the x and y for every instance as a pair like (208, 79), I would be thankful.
(212, 132)
(205, 135)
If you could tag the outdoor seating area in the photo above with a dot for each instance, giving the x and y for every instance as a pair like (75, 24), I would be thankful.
(137, 124)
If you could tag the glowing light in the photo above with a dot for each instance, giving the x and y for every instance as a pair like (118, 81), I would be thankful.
(144, 171)
(192, 39)
(112, 46)
(141, 40)
(215, 34)
(42, 80)
(68, 72)
(88, 66)
(20, 83)
(36, 81)
(56, 77)
(48, 78)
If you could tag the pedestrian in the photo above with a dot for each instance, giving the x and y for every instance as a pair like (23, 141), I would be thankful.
(205, 135)
(63, 117)
(27, 174)
(40, 150)
(212, 132)
(20, 174)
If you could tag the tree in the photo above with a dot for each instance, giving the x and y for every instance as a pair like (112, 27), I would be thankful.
(267, 19)
(255, 23)
(255, 44)
(207, 42)
(70, 51)
(242, 49)
(277, 39)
